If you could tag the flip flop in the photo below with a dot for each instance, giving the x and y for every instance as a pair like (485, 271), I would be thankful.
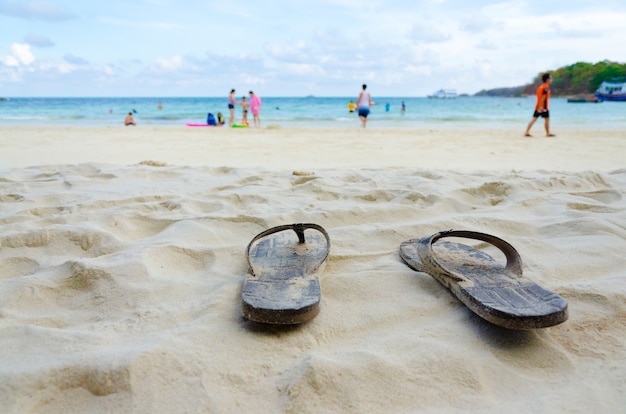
(282, 285)
(500, 295)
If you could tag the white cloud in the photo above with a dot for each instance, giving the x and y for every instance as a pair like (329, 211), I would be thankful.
(298, 52)
(487, 44)
(168, 65)
(20, 55)
(480, 23)
(428, 33)
(108, 70)
(303, 69)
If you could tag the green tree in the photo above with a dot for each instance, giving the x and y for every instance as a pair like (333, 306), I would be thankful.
(580, 78)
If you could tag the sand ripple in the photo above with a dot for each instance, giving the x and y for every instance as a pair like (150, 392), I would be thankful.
(120, 292)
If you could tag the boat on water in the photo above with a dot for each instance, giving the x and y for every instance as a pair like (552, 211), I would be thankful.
(611, 91)
(444, 94)
(583, 100)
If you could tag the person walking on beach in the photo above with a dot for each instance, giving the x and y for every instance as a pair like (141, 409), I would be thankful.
(129, 120)
(255, 107)
(542, 108)
(231, 107)
(363, 103)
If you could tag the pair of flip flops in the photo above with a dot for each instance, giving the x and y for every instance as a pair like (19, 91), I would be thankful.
(282, 285)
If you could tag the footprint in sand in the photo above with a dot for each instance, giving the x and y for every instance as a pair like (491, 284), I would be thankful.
(11, 198)
(17, 267)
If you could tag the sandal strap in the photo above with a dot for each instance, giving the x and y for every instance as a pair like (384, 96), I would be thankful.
(298, 228)
(428, 257)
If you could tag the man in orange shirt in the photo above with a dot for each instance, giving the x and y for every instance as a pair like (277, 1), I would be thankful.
(541, 108)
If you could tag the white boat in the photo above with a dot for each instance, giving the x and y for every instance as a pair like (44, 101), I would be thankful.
(444, 94)
(611, 91)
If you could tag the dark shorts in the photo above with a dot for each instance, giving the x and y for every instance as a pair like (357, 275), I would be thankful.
(364, 112)
(231, 106)
(544, 114)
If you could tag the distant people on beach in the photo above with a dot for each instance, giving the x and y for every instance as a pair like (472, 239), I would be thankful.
(363, 103)
(542, 105)
(255, 108)
(210, 119)
(220, 119)
(351, 106)
(231, 107)
(245, 105)
(403, 107)
(387, 106)
(129, 120)
(160, 105)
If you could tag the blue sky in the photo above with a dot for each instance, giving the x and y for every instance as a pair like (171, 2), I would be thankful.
(295, 48)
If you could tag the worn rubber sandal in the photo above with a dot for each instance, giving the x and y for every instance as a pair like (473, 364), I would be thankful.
(282, 285)
(500, 295)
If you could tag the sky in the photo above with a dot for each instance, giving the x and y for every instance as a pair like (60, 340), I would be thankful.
(163, 48)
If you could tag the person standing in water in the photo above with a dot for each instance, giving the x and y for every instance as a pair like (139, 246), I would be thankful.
(363, 103)
(245, 105)
(255, 107)
(231, 107)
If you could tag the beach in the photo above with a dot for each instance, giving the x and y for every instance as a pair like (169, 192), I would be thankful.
(274, 147)
(123, 255)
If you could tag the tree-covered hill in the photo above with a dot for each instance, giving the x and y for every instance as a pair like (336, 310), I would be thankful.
(579, 79)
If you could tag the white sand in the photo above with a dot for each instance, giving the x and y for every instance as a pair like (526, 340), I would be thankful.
(120, 281)
(281, 148)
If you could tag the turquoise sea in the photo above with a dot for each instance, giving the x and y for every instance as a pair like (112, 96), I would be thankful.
(314, 112)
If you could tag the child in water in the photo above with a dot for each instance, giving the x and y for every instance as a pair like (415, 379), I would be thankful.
(245, 105)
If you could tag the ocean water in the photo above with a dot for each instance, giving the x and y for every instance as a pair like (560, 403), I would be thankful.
(314, 112)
